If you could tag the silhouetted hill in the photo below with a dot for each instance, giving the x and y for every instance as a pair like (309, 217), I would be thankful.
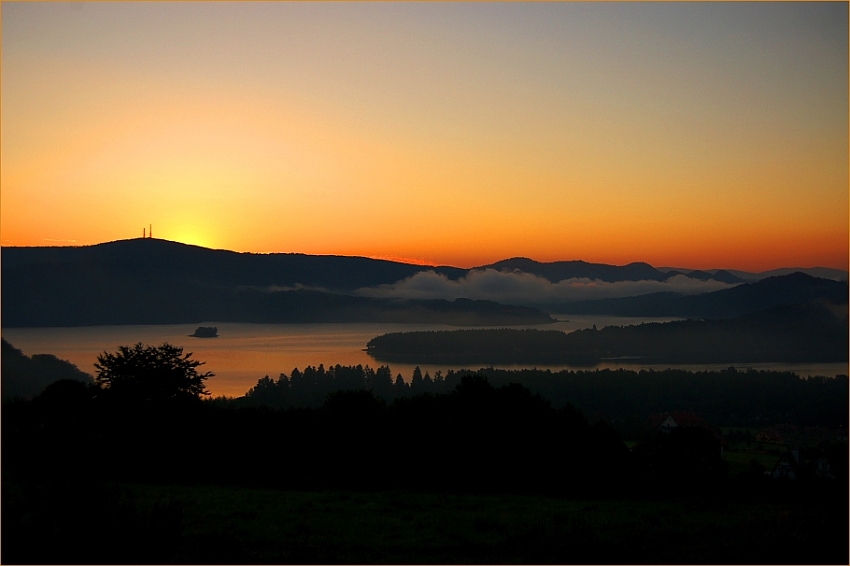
(560, 270)
(813, 332)
(25, 376)
(147, 281)
(737, 276)
(192, 302)
(638, 271)
(143, 259)
(822, 272)
(793, 289)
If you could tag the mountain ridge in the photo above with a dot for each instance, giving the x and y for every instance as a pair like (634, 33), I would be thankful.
(792, 289)
(146, 281)
(580, 268)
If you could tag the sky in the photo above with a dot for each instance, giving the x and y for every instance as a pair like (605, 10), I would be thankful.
(692, 135)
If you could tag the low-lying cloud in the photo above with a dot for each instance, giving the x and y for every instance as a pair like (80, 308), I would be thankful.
(281, 288)
(528, 289)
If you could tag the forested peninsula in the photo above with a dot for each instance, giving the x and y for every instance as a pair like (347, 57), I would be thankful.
(813, 332)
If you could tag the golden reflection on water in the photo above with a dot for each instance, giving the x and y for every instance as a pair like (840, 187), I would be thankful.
(243, 353)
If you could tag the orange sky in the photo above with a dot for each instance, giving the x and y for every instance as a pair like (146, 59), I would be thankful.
(703, 136)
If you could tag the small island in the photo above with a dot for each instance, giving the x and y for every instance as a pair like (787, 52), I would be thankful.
(205, 332)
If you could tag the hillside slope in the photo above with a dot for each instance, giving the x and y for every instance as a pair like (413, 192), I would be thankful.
(146, 281)
(793, 289)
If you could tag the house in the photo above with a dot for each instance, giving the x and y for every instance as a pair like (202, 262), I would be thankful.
(786, 429)
(770, 435)
(663, 422)
(821, 468)
(666, 422)
(684, 418)
(788, 466)
(793, 466)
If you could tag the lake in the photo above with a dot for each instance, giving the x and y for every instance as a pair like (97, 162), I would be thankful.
(243, 352)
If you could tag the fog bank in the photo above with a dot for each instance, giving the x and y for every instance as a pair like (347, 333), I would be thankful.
(525, 288)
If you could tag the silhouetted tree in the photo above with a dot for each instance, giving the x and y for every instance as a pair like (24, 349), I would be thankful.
(382, 382)
(283, 383)
(151, 373)
(266, 392)
(401, 388)
(416, 380)
(296, 379)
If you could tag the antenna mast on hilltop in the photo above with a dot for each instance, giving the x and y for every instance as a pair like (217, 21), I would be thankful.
(150, 232)
(143, 234)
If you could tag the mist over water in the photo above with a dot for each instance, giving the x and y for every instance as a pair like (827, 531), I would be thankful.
(529, 289)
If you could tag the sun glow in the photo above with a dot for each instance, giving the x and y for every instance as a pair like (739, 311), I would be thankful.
(430, 134)
(189, 233)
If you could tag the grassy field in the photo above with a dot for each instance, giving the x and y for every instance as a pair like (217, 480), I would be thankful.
(739, 462)
(204, 524)
(235, 525)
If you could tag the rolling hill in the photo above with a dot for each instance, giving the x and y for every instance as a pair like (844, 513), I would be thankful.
(793, 289)
(148, 281)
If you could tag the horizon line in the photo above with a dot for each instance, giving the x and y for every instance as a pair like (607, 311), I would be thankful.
(412, 261)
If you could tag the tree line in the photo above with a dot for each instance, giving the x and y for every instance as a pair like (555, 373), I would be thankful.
(623, 398)
(310, 387)
(147, 418)
(476, 437)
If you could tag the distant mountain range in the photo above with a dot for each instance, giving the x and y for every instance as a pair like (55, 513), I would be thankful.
(149, 281)
(822, 272)
(794, 289)
(560, 270)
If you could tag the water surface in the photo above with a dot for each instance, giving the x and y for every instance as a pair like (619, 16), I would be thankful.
(244, 352)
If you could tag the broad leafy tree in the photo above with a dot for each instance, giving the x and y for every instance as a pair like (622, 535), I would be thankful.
(152, 373)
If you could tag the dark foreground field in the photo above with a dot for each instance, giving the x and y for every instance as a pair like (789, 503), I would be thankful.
(138, 523)
(478, 474)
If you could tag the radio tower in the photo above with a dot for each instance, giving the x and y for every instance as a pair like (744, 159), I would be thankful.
(150, 232)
